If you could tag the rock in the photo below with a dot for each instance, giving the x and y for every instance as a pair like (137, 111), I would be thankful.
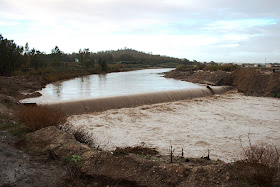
(227, 178)
(49, 135)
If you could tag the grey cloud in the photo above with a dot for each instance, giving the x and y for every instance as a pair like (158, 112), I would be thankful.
(152, 17)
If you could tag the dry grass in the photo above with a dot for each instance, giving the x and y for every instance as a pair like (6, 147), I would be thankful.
(140, 149)
(83, 137)
(37, 117)
(260, 164)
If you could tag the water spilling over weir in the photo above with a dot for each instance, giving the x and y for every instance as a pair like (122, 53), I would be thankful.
(126, 101)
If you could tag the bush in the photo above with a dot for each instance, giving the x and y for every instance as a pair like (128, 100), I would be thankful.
(260, 164)
(183, 67)
(37, 117)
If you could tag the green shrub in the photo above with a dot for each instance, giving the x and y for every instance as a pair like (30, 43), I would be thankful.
(73, 158)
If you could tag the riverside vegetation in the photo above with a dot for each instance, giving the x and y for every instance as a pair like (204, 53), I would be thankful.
(18, 60)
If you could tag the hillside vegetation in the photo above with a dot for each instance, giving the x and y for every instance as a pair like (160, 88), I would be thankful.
(18, 60)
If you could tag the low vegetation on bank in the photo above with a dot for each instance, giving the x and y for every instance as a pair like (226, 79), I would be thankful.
(14, 128)
(37, 117)
(208, 67)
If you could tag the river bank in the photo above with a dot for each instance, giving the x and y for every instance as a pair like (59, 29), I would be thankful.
(251, 82)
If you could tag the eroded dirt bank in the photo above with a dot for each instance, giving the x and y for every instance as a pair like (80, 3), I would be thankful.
(201, 77)
(128, 169)
(21, 87)
(254, 82)
(251, 82)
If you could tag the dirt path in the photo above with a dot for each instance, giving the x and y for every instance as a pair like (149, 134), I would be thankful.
(19, 169)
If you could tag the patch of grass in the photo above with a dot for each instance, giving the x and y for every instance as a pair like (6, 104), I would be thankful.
(259, 164)
(182, 159)
(76, 158)
(146, 156)
(73, 160)
(15, 129)
(37, 117)
(277, 95)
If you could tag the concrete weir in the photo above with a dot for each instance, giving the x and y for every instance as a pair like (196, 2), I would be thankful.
(126, 101)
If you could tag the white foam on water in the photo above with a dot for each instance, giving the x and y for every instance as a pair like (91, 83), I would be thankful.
(216, 122)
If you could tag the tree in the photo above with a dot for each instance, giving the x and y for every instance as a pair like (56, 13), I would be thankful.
(108, 57)
(26, 48)
(56, 56)
(9, 56)
(36, 59)
(84, 57)
(103, 64)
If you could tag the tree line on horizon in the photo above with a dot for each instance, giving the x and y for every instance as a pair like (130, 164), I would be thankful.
(18, 58)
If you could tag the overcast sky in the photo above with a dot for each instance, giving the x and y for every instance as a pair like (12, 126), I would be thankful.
(205, 30)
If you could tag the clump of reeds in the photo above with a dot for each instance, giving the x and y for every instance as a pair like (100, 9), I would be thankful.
(37, 117)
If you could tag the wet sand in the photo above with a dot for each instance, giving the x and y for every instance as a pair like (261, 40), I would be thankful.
(220, 123)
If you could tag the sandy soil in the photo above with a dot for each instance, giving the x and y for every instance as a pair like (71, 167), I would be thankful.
(220, 123)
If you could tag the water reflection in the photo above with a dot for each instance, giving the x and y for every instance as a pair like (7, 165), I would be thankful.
(85, 83)
(112, 84)
(57, 89)
(102, 80)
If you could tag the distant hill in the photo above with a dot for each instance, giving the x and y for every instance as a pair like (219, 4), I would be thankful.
(134, 58)
(18, 60)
